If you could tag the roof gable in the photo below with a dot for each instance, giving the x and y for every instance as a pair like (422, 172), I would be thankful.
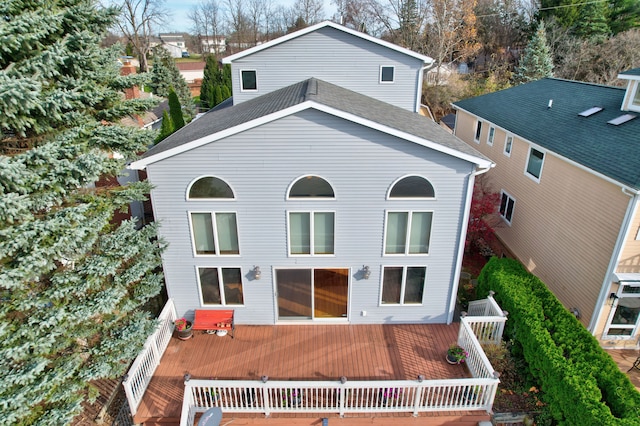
(590, 141)
(325, 24)
(226, 120)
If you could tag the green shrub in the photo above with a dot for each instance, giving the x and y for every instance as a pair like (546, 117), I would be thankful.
(581, 383)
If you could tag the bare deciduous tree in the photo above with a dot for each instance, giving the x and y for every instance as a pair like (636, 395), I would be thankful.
(311, 11)
(138, 19)
(207, 24)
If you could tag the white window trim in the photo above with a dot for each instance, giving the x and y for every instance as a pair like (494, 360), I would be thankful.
(408, 236)
(476, 136)
(242, 89)
(491, 135)
(216, 240)
(526, 164)
(504, 150)
(380, 75)
(220, 284)
(504, 218)
(312, 233)
(634, 92)
(389, 198)
(287, 197)
(634, 328)
(186, 195)
(404, 285)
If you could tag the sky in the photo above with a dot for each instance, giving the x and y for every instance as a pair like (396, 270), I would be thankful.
(179, 21)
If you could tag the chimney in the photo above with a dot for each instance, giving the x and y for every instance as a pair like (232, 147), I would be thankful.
(127, 69)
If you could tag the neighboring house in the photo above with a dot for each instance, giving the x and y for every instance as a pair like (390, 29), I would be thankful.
(175, 43)
(567, 159)
(215, 45)
(318, 193)
(193, 73)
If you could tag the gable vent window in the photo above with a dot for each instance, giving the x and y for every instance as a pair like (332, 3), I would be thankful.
(590, 111)
(249, 80)
(387, 74)
(622, 119)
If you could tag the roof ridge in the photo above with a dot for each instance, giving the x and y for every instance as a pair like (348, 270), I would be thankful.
(311, 89)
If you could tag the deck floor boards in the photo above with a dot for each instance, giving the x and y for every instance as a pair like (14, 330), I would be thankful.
(301, 352)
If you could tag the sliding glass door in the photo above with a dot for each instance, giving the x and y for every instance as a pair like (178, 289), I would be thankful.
(312, 293)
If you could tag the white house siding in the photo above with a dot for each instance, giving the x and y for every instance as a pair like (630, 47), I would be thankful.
(360, 164)
(336, 57)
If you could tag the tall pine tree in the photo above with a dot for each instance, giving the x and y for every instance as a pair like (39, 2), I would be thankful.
(72, 282)
(536, 63)
(165, 75)
(175, 110)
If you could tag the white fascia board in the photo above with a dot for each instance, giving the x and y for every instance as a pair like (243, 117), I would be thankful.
(141, 164)
(628, 77)
(274, 42)
(555, 154)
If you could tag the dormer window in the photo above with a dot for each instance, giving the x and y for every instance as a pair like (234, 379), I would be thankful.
(636, 99)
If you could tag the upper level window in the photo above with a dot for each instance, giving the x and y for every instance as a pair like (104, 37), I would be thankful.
(491, 135)
(412, 187)
(311, 233)
(387, 74)
(249, 80)
(534, 163)
(508, 145)
(311, 187)
(408, 232)
(476, 138)
(209, 187)
(214, 233)
(507, 203)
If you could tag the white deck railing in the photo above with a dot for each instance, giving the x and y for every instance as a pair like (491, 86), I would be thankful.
(235, 396)
(137, 379)
(486, 319)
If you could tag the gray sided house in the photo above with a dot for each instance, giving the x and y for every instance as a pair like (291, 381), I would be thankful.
(312, 202)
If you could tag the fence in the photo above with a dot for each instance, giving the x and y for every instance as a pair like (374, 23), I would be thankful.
(267, 397)
(137, 379)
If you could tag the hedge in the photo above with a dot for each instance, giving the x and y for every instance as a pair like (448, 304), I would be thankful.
(582, 384)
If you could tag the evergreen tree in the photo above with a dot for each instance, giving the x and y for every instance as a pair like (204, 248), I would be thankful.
(592, 23)
(166, 128)
(165, 75)
(209, 81)
(217, 95)
(175, 111)
(72, 283)
(536, 62)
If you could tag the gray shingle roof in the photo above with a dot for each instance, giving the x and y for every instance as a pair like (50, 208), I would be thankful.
(635, 71)
(613, 151)
(226, 117)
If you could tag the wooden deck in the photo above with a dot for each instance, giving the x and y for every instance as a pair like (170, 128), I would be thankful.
(300, 352)
(625, 358)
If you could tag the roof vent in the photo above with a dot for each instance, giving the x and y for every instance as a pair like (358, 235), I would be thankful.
(590, 111)
(550, 104)
(622, 119)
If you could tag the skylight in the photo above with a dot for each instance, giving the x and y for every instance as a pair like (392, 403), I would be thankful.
(590, 111)
(622, 119)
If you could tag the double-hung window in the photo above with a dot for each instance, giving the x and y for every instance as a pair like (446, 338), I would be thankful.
(534, 163)
(220, 286)
(311, 233)
(508, 145)
(408, 232)
(403, 285)
(476, 138)
(507, 203)
(214, 233)
(491, 135)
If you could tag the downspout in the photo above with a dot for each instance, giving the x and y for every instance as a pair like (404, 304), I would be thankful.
(625, 230)
(463, 233)
(420, 81)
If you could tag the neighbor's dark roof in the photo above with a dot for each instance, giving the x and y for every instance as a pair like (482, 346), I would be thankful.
(319, 91)
(635, 71)
(613, 151)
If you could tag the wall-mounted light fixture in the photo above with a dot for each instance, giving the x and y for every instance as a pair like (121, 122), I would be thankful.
(256, 273)
(575, 312)
(366, 272)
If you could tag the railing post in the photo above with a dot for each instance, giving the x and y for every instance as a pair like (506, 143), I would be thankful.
(418, 397)
(343, 395)
(265, 397)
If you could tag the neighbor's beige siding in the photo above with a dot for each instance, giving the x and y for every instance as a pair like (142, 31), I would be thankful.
(564, 228)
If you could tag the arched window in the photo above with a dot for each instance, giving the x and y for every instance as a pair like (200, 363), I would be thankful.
(412, 187)
(311, 187)
(210, 187)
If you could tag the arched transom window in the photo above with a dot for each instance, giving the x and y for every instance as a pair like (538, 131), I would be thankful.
(311, 187)
(210, 187)
(412, 187)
